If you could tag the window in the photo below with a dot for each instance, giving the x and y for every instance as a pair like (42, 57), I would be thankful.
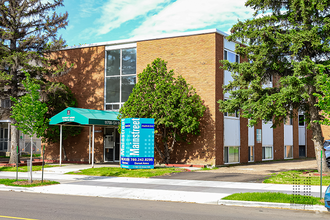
(288, 152)
(234, 114)
(231, 154)
(120, 77)
(301, 119)
(258, 133)
(5, 103)
(267, 152)
(231, 57)
(251, 153)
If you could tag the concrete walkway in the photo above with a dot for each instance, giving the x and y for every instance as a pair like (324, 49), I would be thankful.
(178, 190)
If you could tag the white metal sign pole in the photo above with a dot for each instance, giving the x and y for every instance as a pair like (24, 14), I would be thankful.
(93, 146)
(89, 147)
(60, 145)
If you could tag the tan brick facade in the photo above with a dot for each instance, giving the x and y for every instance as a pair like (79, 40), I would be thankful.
(193, 57)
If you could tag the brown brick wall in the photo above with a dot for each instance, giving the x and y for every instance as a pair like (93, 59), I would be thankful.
(278, 140)
(257, 146)
(244, 149)
(310, 145)
(194, 58)
(219, 120)
(86, 81)
(295, 138)
(244, 134)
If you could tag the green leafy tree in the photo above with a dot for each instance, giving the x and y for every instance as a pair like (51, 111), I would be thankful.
(29, 112)
(28, 30)
(323, 85)
(172, 102)
(287, 40)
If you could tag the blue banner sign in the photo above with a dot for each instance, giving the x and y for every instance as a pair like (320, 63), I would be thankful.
(137, 143)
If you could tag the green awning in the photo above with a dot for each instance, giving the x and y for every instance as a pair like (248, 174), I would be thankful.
(74, 116)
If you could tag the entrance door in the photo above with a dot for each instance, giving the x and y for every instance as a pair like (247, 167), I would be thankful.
(111, 145)
(302, 151)
(4, 137)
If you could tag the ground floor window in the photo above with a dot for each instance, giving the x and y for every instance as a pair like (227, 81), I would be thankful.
(267, 152)
(288, 152)
(251, 153)
(231, 154)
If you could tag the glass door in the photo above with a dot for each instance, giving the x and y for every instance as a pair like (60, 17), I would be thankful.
(3, 136)
(111, 145)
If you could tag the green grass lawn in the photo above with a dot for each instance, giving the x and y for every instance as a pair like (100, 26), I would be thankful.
(25, 183)
(275, 197)
(296, 177)
(120, 172)
(24, 168)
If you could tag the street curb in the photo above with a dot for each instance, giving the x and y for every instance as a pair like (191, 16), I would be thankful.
(273, 205)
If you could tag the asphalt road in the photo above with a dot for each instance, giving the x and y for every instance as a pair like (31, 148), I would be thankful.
(18, 205)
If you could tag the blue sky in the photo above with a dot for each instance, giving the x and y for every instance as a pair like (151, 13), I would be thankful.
(92, 21)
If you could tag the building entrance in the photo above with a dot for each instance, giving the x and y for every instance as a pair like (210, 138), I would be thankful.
(111, 144)
(302, 151)
(4, 138)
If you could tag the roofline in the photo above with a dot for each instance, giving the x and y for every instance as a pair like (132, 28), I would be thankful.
(138, 39)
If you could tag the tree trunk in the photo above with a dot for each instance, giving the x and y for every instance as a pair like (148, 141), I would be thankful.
(318, 147)
(14, 92)
(317, 131)
(14, 142)
(166, 150)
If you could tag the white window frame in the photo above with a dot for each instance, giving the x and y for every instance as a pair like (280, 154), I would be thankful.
(252, 154)
(116, 47)
(239, 152)
(272, 153)
(285, 152)
(227, 50)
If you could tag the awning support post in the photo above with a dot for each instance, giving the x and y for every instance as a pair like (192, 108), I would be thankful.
(89, 146)
(93, 146)
(60, 145)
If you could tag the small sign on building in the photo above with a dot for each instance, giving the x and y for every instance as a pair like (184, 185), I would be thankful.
(137, 143)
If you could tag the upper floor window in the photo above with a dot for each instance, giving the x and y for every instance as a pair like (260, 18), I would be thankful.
(233, 114)
(5, 103)
(120, 77)
(301, 119)
(231, 57)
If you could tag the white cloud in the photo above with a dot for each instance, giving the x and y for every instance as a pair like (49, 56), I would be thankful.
(185, 15)
(117, 12)
(88, 7)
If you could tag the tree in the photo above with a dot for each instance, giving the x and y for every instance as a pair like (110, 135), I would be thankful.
(28, 32)
(287, 40)
(172, 102)
(29, 113)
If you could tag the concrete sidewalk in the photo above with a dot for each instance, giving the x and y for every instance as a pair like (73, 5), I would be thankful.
(177, 190)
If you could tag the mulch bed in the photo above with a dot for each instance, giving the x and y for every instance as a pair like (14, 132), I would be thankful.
(27, 182)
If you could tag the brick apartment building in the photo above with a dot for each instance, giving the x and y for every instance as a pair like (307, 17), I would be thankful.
(104, 75)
